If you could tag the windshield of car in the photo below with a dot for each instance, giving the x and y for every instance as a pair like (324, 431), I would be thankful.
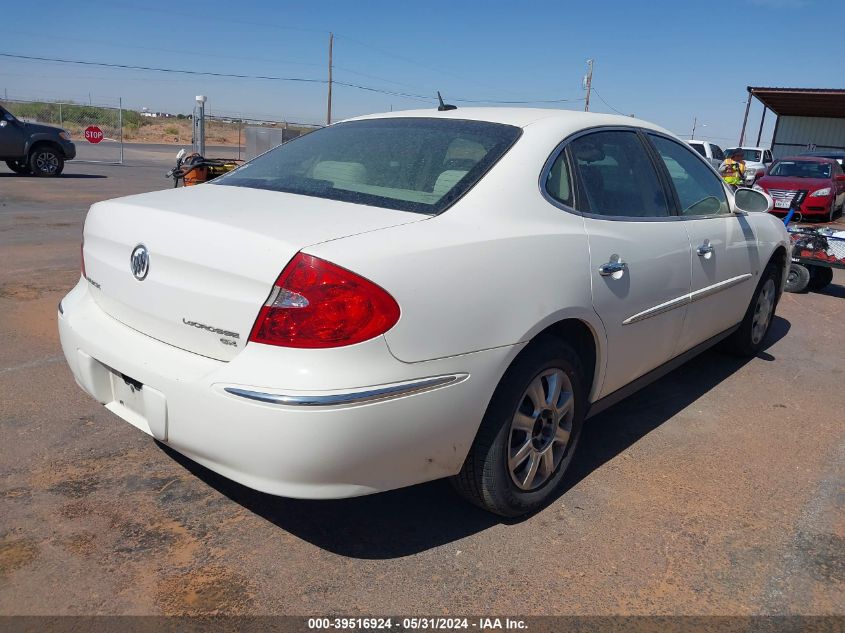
(410, 164)
(699, 147)
(800, 169)
(752, 155)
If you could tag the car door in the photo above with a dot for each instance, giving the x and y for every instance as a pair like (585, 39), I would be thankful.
(639, 253)
(11, 136)
(723, 258)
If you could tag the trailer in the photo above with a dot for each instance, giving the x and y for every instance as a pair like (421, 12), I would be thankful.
(815, 253)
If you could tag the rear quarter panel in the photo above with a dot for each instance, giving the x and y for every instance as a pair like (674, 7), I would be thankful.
(493, 270)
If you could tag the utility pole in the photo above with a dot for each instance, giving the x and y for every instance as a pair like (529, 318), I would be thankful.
(199, 125)
(694, 121)
(588, 82)
(329, 107)
(745, 119)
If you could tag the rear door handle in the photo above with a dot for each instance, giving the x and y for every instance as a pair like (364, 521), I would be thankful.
(612, 267)
(704, 249)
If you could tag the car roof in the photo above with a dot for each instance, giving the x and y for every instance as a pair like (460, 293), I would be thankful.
(810, 159)
(520, 117)
(825, 153)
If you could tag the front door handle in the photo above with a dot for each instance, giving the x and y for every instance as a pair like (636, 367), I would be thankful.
(705, 249)
(615, 268)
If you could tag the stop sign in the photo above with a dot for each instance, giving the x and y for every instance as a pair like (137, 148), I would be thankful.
(93, 134)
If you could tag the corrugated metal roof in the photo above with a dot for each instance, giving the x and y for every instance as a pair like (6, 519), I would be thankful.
(802, 101)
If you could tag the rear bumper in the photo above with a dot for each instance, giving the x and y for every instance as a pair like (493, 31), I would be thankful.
(317, 431)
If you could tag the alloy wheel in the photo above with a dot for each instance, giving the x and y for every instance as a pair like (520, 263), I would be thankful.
(763, 311)
(541, 429)
(46, 162)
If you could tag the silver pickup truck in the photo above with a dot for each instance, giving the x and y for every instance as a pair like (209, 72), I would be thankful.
(713, 153)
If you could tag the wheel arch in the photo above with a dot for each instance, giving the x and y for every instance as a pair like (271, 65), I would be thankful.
(582, 337)
(37, 142)
(584, 334)
(780, 258)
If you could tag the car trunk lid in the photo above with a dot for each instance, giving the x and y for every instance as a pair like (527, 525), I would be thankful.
(214, 252)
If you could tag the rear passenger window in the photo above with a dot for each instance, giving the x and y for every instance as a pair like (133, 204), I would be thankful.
(559, 181)
(718, 153)
(617, 175)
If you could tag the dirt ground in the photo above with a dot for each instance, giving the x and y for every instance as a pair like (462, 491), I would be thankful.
(719, 490)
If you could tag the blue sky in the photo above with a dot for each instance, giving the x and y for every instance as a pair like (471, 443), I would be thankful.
(666, 62)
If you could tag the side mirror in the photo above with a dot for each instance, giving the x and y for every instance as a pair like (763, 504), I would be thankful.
(753, 201)
(840, 177)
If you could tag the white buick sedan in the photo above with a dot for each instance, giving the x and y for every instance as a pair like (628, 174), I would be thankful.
(416, 295)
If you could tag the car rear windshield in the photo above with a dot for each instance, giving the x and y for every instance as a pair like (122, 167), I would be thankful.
(699, 147)
(410, 164)
(752, 155)
(800, 169)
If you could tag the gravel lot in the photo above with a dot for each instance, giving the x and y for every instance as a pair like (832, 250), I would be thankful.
(720, 489)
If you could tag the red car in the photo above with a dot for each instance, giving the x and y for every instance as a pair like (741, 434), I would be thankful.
(822, 178)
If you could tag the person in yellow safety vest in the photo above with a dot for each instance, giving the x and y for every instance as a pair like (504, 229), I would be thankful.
(733, 168)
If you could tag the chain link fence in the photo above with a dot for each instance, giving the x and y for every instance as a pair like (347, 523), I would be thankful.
(113, 130)
(97, 130)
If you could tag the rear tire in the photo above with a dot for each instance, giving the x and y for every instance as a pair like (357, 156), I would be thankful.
(749, 338)
(797, 278)
(18, 166)
(529, 433)
(821, 278)
(46, 160)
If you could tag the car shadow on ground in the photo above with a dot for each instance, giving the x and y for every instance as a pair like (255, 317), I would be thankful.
(415, 519)
(832, 290)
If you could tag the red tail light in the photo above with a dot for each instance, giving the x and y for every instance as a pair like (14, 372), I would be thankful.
(316, 304)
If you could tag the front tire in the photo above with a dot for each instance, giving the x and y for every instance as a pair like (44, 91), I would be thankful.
(45, 161)
(529, 433)
(749, 338)
(18, 166)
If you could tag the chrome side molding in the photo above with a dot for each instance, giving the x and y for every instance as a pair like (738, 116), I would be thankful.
(686, 299)
(370, 394)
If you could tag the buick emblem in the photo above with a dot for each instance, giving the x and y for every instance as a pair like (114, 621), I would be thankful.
(139, 262)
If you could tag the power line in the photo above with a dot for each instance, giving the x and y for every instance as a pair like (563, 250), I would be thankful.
(606, 103)
(161, 70)
(407, 95)
(228, 20)
(209, 54)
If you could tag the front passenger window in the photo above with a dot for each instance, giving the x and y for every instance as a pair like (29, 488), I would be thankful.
(700, 191)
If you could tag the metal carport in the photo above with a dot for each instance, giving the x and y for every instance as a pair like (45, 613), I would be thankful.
(807, 118)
